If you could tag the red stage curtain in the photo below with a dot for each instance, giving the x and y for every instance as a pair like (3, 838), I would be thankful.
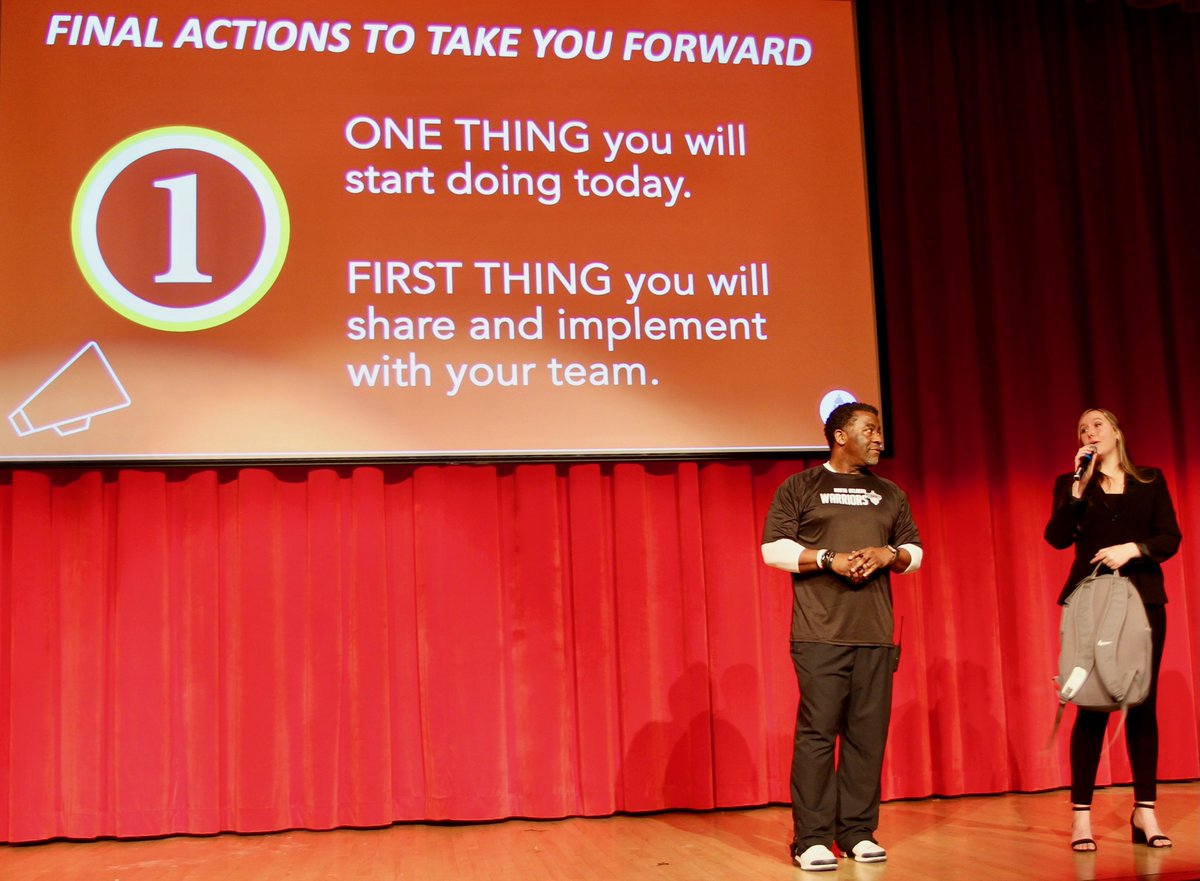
(204, 649)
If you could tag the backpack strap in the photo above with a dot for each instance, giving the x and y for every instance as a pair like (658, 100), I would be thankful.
(1058, 714)
(1104, 648)
(1111, 628)
(1120, 724)
(1062, 705)
(1085, 641)
(1084, 648)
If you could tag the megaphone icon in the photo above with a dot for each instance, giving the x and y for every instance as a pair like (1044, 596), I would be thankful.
(83, 387)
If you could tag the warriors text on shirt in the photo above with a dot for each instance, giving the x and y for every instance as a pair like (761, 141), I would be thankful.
(851, 496)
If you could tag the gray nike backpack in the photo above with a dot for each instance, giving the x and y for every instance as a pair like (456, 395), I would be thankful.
(1105, 657)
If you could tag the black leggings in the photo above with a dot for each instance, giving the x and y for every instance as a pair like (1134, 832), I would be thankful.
(1141, 732)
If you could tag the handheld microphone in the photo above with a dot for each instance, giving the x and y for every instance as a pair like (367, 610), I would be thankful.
(1084, 463)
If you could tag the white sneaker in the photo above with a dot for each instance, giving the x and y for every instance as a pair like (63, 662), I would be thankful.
(868, 851)
(817, 858)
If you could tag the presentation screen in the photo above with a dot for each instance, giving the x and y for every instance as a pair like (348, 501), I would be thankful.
(282, 230)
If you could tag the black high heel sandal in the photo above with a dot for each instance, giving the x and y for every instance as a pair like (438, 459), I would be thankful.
(1077, 844)
(1138, 835)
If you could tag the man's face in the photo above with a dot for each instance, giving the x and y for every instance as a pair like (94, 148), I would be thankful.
(863, 439)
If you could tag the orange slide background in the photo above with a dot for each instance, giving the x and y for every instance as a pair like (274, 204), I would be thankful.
(274, 382)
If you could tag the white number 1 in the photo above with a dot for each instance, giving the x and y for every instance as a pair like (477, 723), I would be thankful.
(182, 268)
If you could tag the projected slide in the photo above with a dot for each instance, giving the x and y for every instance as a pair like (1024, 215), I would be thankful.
(253, 231)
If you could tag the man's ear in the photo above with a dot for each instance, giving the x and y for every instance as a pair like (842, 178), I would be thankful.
(840, 436)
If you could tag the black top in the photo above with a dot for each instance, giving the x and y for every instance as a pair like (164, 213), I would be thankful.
(1143, 514)
(819, 508)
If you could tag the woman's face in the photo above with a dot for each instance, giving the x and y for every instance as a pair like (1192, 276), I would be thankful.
(1095, 429)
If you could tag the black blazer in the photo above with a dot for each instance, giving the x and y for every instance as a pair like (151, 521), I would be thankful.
(1142, 514)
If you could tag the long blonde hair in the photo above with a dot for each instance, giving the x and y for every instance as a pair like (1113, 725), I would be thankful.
(1123, 459)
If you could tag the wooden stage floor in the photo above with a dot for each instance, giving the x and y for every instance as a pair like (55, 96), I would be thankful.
(994, 838)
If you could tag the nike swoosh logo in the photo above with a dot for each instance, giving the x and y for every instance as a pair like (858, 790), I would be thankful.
(1105, 642)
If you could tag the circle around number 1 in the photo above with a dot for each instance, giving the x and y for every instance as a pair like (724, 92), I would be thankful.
(276, 229)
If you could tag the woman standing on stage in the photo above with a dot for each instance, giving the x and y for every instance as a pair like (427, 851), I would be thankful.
(1121, 517)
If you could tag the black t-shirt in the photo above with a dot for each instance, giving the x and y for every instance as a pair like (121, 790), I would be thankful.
(819, 508)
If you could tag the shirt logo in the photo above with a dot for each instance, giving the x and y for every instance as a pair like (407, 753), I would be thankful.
(851, 496)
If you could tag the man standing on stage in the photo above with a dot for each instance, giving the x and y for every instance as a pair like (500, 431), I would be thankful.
(841, 530)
